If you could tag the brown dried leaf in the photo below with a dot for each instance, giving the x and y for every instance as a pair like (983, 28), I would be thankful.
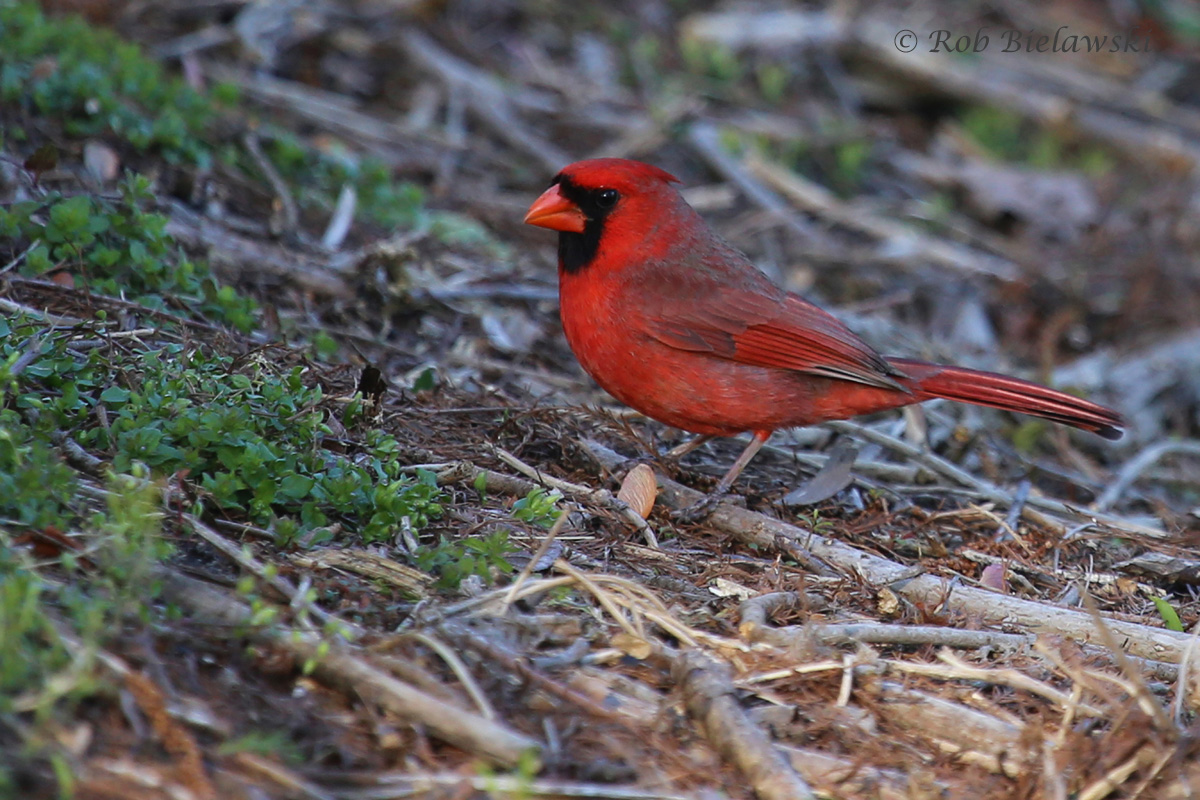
(639, 490)
(633, 646)
(44, 159)
(993, 577)
(887, 602)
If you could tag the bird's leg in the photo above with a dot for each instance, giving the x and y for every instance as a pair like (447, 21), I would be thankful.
(679, 451)
(699, 511)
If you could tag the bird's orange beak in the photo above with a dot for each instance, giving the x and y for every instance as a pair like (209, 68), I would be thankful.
(555, 212)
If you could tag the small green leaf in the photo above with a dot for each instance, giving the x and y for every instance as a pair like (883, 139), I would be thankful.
(425, 381)
(1168, 613)
(296, 487)
(115, 395)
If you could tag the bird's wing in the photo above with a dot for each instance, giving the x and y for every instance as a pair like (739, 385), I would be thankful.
(768, 330)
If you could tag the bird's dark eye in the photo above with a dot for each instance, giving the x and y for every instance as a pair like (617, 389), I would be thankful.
(607, 198)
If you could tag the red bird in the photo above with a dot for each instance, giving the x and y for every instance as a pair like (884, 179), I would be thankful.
(673, 321)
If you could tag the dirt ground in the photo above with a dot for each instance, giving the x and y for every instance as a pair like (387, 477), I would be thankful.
(943, 602)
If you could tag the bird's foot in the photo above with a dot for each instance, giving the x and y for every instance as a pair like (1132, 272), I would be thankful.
(703, 508)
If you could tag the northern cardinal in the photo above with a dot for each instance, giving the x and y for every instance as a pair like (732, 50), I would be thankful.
(672, 320)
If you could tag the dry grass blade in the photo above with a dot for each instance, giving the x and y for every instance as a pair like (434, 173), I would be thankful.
(955, 669)
(536, 559)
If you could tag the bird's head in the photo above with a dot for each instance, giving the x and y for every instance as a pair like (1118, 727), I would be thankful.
(605, 204)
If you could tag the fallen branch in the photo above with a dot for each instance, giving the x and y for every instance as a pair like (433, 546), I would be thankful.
(711, 699)
(973, 736)
(755, 628)
(841, 777)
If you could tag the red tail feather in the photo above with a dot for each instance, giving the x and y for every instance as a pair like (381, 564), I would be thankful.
(1010, 394)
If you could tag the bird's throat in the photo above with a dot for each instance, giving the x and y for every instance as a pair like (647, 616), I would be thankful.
(576, 251)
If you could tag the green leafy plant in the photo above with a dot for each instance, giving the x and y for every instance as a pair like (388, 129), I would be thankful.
(815, 522)
(773, 79)
(95, 83)
(273, 744)
(539, 507)
(51, 630)
(452, 561)
(319, 177)
(1009, 137)
(715, 61)
(1170, 616)
(248, 435)
(117, 248)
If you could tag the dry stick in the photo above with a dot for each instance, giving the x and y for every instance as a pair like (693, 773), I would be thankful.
(1139, 464)
(605, 599)
(342, 668)
(954, 669)
(756, 628)
(711, 698)
(432, 615)
(54, 319)
(387, 786)
(883, 470)
(334, 112)
(538, 555)
(989, 490)
(1050, 94)
(464, 636)
(233, 250)
(460, 671)
(1151, 775)
(86, 296)
(19, 257)
(841, 777)
(931, 591)
(900, 241)
(706, 141)
(283, 193)
(486, 98)
(245, 559)
(1140, 692)
(1137, 376)
(974, 736)
(293, 784)
(76, 456)
(1181, 682)
(341, 219)
(1115, 777)
(990, 80)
